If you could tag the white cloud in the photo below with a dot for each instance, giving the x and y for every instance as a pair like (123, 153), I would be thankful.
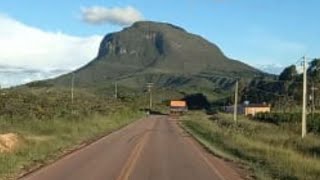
(11, 76)
(25, 46)
(28, 53)
(115, 16)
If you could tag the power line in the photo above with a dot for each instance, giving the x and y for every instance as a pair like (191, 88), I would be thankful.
(299, 61)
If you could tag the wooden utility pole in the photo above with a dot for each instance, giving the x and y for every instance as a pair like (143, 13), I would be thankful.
(235, 110)
(72, 88)
(150, 85)
(115, 90)
(72, 92)
(304, 97)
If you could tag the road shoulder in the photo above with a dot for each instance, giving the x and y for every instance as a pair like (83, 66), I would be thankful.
(222, 158)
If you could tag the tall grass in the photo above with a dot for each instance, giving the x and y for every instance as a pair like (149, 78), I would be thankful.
(293, 118)
(46, 140)
(275, 152)
(47, 123)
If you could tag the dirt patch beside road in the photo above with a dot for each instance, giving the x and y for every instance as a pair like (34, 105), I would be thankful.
(8, 142)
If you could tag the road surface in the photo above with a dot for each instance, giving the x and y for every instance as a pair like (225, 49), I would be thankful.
(155, 148)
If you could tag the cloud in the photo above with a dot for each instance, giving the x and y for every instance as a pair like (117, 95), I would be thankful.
(11, 76)
(30, 47)
(116, 16)
(29, 53)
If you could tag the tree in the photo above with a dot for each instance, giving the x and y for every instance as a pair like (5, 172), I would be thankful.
(314, 70)
(289, 73)
(197, 101)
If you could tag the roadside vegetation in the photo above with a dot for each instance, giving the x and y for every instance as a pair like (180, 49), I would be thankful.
(292, 119)
(48, 124)
(273, 151)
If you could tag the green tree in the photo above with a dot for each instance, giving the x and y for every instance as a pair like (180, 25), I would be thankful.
(314, 70)
(288, 73)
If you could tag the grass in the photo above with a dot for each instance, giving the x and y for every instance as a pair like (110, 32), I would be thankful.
(273, 151)
(46, 140)
(48, 124)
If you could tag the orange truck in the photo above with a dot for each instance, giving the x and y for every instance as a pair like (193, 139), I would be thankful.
(178, 107)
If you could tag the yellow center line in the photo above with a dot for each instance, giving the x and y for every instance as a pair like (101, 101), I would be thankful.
(133, 158)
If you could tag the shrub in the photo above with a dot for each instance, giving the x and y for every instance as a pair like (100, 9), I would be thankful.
(313, 121)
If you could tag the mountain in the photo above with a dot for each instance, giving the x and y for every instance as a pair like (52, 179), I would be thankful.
(160, 53)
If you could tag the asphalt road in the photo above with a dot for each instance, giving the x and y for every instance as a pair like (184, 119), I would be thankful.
(154, 148)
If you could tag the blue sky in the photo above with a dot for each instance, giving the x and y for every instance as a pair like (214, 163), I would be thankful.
(257, 32)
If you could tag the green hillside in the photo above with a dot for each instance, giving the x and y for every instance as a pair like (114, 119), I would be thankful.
(161, 53)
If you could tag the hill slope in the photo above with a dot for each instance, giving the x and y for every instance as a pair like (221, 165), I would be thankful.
(161, 53)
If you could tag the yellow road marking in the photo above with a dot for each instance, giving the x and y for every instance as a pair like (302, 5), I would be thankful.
(133, 158)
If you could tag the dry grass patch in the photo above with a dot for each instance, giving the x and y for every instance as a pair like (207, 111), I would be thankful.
(8, 142)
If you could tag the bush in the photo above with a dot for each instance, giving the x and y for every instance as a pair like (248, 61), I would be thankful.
(313, 121)
(49, 103)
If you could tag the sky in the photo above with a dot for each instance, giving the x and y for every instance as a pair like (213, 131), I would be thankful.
(40, 39)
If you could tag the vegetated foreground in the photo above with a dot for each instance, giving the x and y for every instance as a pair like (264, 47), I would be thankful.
(47, 123)
(153, 148)
(273, 151)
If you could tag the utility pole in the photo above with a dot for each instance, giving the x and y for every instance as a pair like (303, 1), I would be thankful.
(116, 90)
(235, 110)
(150, 85)
(72, 88)
(304, 102)
(72, 91)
